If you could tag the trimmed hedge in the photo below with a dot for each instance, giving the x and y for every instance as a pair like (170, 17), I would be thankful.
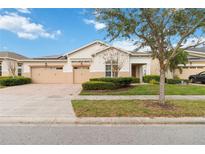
(135, 80)
(10, 81)
(148, 78)
(176, 81)
(98, 85)
(173, 81)
(119, 82)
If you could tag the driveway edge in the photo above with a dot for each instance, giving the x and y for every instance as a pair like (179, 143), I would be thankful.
(100, 121)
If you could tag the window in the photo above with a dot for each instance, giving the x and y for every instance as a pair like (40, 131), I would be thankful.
(59, 68)
(0, 69)
(111, 69)
(19, 69)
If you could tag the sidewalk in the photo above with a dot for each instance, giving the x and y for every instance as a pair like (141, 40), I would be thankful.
(101, 121)
(137, 97)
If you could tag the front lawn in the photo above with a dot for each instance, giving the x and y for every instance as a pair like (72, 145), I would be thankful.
(137, 108)
(150, 89)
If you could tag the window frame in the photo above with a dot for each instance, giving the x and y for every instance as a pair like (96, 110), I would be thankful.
(19, 69)
(111, 64)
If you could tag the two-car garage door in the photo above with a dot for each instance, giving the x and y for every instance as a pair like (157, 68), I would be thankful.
(48, 75)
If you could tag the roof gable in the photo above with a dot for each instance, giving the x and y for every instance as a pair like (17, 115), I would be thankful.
(111, 47)
(12, 55)
(86, 46)
(88, 50)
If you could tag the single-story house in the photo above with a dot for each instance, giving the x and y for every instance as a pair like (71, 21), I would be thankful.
(91, 61)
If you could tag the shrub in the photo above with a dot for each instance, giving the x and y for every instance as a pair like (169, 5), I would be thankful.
(119, 82)
(176, 81)
(153, 81)
(98, 85)
(148, 78)
(135, 80)
(10, 81)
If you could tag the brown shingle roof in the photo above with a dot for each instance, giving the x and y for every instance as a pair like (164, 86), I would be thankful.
(13, 55)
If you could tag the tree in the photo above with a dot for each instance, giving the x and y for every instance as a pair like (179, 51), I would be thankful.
(11, 67)
(165, 31)
(181, 58)
(116, 58)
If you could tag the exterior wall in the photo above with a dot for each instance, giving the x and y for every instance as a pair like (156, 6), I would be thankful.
(88, 51)
(124, 74)
(97, 74)
(155, 68)
(5, 69)
(98, 63)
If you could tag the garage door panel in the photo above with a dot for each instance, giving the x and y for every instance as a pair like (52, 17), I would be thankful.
(186, 72)
(47, 75)
(81, 74)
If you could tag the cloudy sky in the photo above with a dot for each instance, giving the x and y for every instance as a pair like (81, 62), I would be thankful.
(38, 32)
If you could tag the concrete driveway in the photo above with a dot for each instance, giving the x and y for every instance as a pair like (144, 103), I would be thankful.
(38, 100)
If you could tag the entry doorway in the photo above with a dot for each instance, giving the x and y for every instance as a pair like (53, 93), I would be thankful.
(137, 71)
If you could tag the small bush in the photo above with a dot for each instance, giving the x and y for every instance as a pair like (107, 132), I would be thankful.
(135, 80)
(10, 81)
(119, 82)
(174, 81)
(153, 81)
(148, 78)
(98, 85)
(176, 77)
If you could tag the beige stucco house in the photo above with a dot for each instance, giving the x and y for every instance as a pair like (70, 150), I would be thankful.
(90, 61)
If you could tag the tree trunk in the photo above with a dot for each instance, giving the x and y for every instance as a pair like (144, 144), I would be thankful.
(162, 87)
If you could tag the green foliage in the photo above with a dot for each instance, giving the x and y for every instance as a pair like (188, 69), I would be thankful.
(10, 81)
(176, 81)
(164, 30)
(119, 82)
(155, 28)
(152, 81)
(180, 58)
(98, 85)
(148, 78)
(135, 80)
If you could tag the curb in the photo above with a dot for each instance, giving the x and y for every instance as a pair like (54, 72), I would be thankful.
(138, 97)
(101, 121)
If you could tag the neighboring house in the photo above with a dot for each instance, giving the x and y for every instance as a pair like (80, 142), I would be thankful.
(88, 62)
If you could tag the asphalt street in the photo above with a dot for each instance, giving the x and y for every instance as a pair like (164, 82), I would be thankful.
(101, 134)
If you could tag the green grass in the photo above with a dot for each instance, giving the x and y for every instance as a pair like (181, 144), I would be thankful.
(137, 108)
(151, 90)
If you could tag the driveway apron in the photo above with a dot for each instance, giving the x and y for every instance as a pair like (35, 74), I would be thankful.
(38, 100)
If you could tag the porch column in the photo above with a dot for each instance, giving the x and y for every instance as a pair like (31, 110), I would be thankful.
(141, 73)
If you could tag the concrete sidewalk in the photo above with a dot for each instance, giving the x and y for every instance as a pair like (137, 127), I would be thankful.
(101, 121)
(137, 97)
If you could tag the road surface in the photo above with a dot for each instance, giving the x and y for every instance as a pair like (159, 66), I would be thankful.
(102, 134)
